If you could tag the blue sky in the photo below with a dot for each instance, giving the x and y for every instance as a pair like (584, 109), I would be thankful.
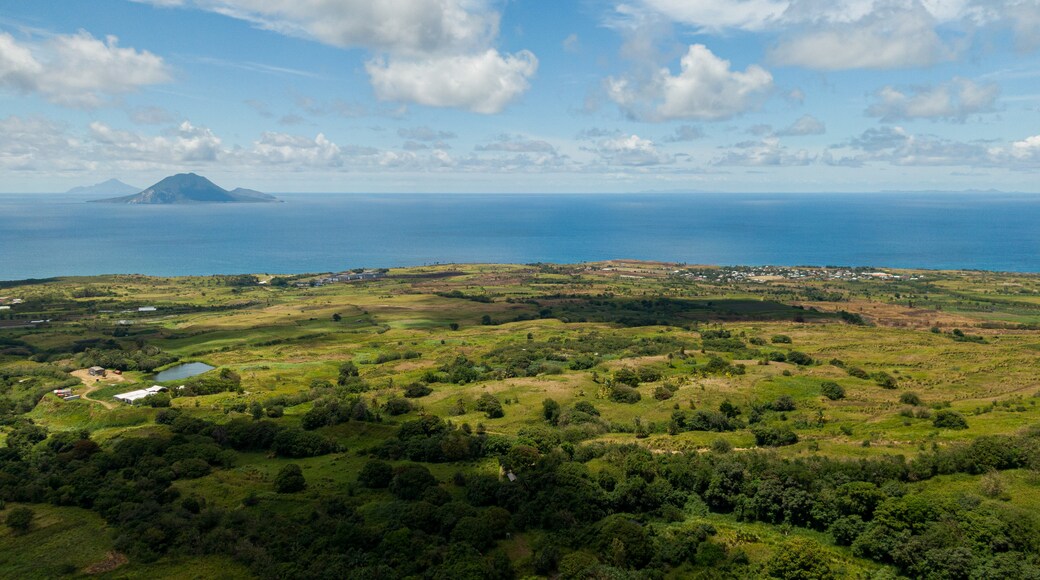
(523, 96)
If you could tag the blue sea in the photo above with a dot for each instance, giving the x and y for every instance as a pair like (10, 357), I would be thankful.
(56, 235)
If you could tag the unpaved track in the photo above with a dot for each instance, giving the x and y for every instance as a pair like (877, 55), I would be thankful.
(92, 384)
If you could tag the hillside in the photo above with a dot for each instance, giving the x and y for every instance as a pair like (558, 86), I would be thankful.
(111, 187)
(189, 188)
(603, 420)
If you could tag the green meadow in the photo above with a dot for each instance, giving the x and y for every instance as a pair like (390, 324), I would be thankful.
(603, 420)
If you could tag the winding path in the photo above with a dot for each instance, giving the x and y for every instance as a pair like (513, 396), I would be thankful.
(91, 384)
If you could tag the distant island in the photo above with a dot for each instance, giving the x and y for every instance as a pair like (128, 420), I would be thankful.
(110, 187)
(189, 188)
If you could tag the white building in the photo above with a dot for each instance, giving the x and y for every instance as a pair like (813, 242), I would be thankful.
(140, 394)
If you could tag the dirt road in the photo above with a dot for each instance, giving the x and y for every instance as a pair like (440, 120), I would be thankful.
(92, 384)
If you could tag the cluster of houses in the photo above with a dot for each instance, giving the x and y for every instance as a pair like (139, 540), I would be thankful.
(133, 396)
(348, 276)
(770, 273)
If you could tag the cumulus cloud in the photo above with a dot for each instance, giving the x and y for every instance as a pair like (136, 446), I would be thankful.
(437, 53)
(955, 100)
(184, 144)
(767, 152)
(629, 150)
(77, 70)
(897, 146)
(38, 144)
(483, 83)
(282, 148)
(705, 88)
(850, 34)
(805, 125)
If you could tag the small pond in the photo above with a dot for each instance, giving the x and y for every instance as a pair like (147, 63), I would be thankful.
(183, 371)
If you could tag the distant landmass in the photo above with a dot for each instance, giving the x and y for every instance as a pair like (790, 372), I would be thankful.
(110, 187)
(189, 188)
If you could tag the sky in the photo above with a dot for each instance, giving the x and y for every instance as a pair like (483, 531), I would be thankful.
(523, 95)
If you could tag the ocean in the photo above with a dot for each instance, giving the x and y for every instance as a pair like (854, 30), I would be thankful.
(57, 235)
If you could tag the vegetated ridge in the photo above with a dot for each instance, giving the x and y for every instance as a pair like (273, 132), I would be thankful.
(190, 188)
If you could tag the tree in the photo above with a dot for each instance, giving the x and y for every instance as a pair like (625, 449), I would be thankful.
(551, 411)
(347, 371)
(410, 481)
(290, 479)
(20, 519)
(490, 406)
(337, 317)
(376, 474)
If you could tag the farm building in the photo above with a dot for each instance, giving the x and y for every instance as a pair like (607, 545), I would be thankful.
(140, 394)
(96, 371)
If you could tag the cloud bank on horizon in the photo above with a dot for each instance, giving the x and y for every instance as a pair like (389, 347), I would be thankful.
(489, 95)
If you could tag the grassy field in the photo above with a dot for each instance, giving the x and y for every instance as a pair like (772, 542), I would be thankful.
(961, 341)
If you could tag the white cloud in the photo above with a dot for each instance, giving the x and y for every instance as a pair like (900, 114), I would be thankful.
(705, 88)
(38, 144)
(184, 144)
(897, 146)
(767, 152)
(955, 100)
(407, 27)
(805, 125)
(630, 150)
(437, 53)
(282, 148)
(77, 70)
(851, 34)
(882, 39)
(571, 43)
(483, 83)
(714, 15)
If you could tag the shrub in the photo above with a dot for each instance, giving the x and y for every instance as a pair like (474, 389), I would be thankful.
(799, 358)
(626, 376)
(773, 436)
(289, 479)
(782, 404)
(832, 390)
(947, 419)
(800, 558)
(910, 399)
(780, 339)
(884, 380)
(396, 406)
(623, 394)
(20, 519)
(662, 393)
(416, 390)
(857, 372)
